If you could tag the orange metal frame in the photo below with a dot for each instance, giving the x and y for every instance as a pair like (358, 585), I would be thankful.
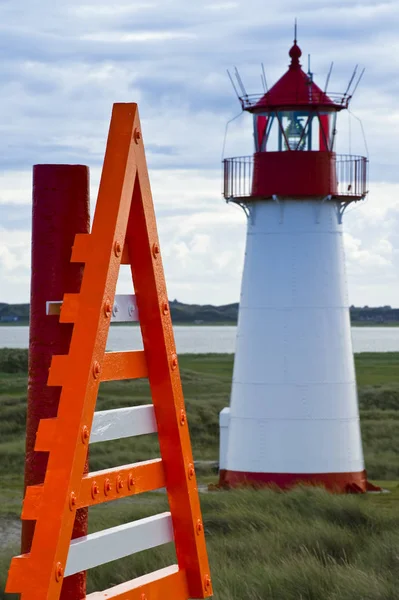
(124, 232)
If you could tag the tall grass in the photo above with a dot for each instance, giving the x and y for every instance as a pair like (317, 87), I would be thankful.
(206, 383)
(267, 545)
(304, 544)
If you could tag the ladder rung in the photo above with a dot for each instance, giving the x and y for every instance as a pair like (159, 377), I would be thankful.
(165, 583)
(82, 248)
(117, 542)
(18, 574)
(116, 366)
(136, 478)
(124, 365)
(122, 423)
(124, 309)
(104, 486)
(45, 434)
(107, 425)
(31, 503)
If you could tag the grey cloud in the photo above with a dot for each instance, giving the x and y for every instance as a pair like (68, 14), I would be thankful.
(15, 217)
(58, 86)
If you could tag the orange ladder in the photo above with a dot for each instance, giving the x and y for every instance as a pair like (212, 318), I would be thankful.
(124, 232)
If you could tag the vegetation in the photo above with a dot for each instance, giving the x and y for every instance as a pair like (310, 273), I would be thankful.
(14, 314)
(305, 544)
(9, 312)
(206, 380)
(13, 360)
(267, 545)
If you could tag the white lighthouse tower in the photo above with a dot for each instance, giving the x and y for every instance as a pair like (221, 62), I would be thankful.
(293, 414)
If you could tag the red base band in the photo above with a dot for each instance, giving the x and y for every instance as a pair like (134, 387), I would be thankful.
(355, 483)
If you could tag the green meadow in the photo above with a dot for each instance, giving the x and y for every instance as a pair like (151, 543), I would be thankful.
(264, 544)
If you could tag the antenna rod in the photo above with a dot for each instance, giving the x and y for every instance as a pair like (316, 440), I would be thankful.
(240, 83)
(358, 81)
(328, 77)
(232, 83)
(309, 64)
(350, 81)
(295, 30)
(264, 76)
(263, 83)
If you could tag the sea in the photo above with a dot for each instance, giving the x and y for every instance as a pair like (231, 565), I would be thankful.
(204, 339)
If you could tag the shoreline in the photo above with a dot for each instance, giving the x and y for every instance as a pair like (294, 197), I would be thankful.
(392, 325)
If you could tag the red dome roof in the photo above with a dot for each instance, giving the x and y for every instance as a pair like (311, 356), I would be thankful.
(295, 89)
(295, 53)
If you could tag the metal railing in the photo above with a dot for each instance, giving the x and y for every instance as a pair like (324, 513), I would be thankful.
(351, 173)
(238, 175)
(318, 97)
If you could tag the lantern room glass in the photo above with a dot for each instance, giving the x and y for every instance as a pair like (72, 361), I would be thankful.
(294, 130)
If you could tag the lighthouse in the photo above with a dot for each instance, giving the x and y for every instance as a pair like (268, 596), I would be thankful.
(293, 414)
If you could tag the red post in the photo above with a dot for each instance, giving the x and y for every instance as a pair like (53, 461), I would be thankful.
(60, 210)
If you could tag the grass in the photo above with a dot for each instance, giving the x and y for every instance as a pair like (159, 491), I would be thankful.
(206, 382)
(304, 544)
(231, 323)
(374, 324)
(268, 545)
(264, 544)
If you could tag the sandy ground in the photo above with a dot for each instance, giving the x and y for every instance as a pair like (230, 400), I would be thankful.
(10, 532)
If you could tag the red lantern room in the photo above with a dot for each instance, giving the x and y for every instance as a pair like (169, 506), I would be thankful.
(294, 135)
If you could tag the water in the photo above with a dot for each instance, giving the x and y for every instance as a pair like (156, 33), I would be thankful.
(210, 338)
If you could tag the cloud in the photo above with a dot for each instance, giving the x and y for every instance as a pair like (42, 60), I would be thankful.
(64, 64)
(14, 263)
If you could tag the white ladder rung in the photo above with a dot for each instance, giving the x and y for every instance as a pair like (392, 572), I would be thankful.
(128, 587)
(122, 423)
(124, 309)
(117, 542)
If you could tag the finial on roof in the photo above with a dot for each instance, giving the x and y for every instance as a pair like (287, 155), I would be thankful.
(295, 52)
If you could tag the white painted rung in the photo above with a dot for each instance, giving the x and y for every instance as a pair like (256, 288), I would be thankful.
(122, 423)
(117, 542)
(53, 307)
(128, 587)
(123, 311)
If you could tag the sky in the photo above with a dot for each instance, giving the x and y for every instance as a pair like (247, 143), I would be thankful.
(63, 65)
